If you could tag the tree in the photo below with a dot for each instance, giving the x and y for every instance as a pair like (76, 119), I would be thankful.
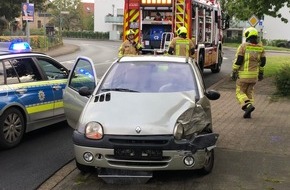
(11, 9)
(66, 14)
(244, 9)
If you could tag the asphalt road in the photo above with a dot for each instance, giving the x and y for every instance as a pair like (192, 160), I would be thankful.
(41, 153)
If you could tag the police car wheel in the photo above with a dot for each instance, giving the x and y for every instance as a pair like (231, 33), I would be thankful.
(12, 128)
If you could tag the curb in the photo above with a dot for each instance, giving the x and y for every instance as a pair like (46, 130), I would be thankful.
(59, 176)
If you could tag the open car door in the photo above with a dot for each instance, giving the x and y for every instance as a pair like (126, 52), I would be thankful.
(82, 76)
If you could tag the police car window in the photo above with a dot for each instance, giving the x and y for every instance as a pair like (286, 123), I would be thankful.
(1, 73)
(11, 75)
(25, 69)
(52, 70)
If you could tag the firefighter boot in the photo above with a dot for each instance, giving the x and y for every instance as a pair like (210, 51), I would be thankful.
(248, 108)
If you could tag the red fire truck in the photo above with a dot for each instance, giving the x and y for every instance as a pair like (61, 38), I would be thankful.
(155, 23)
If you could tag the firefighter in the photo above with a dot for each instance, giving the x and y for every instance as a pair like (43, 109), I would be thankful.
(181, 45)
(129, 46)
(248, 68)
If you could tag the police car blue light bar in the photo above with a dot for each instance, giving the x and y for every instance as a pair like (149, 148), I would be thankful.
(19, 47)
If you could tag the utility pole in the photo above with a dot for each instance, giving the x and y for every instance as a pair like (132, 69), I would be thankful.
(27, 28)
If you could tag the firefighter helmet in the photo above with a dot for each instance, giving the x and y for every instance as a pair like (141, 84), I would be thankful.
(250, 32)
(130, 32)
(181, 30)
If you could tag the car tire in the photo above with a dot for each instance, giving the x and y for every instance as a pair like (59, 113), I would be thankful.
(209, 163)
(201, 63)
(12, 128)
(84, 168)
(217, 67)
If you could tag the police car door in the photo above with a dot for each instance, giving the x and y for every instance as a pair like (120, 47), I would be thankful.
(31, 92)
(83, 74)
(57, 76)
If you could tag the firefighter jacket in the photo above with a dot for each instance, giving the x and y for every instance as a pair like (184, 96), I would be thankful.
(248, 62)
(182, 46)
(129, 48)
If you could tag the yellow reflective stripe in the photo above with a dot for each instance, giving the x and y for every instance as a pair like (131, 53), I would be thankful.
(58, 104)
(39, 108)
(187, 49)
(248, 74)
(246, 63)
(253, 49)
(182, 41)
(44, 107)
(177, 49)
(236, 67)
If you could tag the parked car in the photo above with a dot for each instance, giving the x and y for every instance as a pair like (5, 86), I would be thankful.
(146, 113)
(31, 91)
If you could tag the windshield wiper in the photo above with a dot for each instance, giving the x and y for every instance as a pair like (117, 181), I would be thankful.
(118, 89)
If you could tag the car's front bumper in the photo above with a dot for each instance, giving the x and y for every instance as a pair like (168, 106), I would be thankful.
(154, 152)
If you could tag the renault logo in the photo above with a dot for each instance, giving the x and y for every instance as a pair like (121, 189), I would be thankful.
(138, 130)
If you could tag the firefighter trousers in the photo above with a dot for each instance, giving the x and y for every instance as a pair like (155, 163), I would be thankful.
(245, 92)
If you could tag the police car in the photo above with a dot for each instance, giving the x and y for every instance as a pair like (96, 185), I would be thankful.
(31, 91)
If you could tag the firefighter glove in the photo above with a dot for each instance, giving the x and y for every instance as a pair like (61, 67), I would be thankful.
(261, 76)
(234, 75)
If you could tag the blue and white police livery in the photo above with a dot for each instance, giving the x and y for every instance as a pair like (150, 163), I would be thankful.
(31, 92)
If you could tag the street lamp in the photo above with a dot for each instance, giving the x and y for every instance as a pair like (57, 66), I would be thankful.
(60, 21)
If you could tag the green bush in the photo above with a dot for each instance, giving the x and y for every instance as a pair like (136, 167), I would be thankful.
(282, 80)
(86, 34)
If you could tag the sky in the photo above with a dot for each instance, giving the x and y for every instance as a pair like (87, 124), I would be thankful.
(88, 1)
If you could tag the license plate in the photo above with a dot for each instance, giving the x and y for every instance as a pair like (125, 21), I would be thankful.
(138, 153)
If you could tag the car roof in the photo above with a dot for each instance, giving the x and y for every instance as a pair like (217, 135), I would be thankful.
(158, 58)
(7, 54)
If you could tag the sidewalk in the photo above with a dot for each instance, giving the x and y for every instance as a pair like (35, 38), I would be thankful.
(62, 50)
(251, 153)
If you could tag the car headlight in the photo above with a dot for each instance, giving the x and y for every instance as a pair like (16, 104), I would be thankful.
(94, 130)
(178, 131)
(190, 122)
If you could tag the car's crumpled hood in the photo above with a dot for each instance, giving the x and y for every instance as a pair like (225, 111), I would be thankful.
(154, 113)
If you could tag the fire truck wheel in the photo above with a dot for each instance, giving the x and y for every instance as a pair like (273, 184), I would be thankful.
(217, 67)
(201, 62)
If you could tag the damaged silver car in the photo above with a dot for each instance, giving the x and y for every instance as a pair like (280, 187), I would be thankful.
(147, 113)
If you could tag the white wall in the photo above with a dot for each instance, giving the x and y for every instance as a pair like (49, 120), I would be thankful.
(102, 8)
(275, 29)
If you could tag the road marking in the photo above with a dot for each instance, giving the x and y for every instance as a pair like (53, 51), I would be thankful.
(67, 62)
(225, 58)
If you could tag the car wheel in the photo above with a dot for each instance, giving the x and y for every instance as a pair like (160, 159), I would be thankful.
(12, 128)
(84, 168)
(201, 63)
(209, 163)
(217, 67)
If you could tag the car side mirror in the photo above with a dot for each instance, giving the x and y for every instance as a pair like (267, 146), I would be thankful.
(85, 91)
(212, 94)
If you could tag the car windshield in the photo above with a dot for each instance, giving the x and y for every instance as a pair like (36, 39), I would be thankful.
(150, 77)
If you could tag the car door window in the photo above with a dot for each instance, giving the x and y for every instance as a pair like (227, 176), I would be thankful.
(51, 69)
(83, 76)
(21, 69)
